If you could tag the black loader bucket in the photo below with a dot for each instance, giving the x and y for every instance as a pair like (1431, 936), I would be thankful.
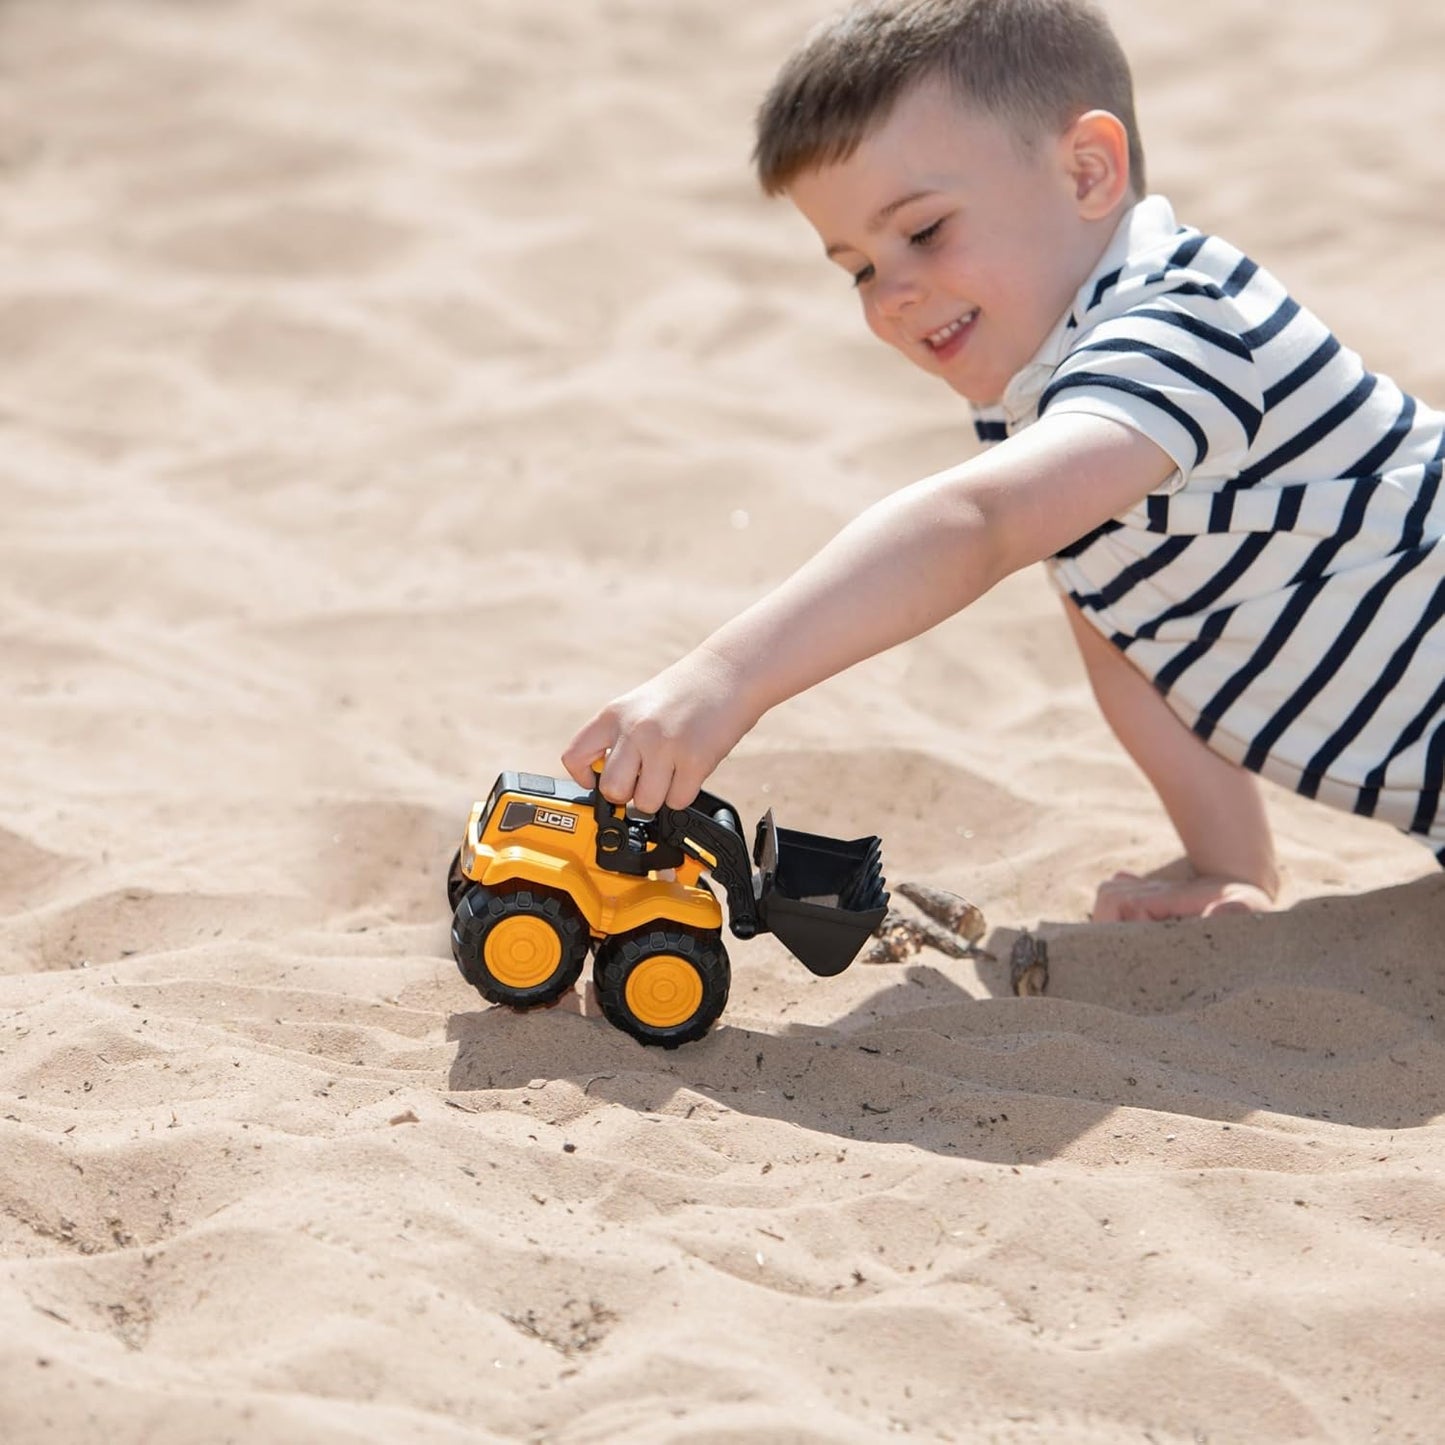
(822, 897)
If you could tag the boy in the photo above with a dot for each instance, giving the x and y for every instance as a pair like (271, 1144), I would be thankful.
(1244, 523)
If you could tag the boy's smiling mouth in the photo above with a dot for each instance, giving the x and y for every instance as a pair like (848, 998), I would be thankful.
(949, 339)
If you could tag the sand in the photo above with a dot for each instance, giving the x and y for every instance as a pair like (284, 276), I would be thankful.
(387, 384)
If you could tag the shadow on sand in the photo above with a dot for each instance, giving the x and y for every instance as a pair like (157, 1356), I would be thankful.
(1332, 1010)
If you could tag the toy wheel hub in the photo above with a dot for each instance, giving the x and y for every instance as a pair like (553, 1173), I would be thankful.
(664, 991)
(523, 952)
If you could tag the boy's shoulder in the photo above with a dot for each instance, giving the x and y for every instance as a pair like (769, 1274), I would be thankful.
(1152, 255)
(1156, 285)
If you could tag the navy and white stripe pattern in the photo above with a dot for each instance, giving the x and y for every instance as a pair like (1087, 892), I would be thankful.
(1285, 590)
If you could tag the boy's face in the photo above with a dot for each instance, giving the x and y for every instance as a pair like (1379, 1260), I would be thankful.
(965, 248)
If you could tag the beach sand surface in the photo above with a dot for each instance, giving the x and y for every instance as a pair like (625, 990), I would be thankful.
(388, 383)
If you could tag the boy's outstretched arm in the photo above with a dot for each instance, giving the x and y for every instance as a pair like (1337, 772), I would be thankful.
(908, 562)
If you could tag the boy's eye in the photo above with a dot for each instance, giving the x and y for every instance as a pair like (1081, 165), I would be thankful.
(927, 234)
(863, 277)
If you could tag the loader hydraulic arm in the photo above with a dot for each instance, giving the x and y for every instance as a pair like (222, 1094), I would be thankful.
(709, 831)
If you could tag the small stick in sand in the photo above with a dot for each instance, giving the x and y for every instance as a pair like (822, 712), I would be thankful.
(956, 914)
(895, 939)
(1028, 965)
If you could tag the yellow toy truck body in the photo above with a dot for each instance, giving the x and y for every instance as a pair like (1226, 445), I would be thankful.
(523, 838)
(548, 871)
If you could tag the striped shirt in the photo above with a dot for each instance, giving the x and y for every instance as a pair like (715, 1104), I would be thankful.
(1285, 588)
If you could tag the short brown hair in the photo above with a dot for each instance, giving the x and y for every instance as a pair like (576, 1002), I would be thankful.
(1038, 64)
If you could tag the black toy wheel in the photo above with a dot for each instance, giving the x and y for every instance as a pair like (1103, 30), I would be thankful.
(457, 881)
(523, 946)
(663, 985)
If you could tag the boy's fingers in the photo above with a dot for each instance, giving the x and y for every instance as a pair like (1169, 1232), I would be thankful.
(683, 789)
(654, 778)
(619, 775)
(581, 775)
(1226, 905)
(584, 749)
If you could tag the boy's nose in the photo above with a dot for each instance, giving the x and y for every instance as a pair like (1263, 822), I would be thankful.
(893, 295)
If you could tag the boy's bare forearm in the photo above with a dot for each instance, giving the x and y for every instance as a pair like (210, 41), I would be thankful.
(928, 551)
(902, 567)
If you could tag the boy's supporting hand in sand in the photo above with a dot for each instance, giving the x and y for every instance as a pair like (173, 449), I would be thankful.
(1200, 464)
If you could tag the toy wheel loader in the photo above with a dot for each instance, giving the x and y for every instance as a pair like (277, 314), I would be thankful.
(549, 871)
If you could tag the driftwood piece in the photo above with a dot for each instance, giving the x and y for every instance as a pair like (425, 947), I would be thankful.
(1028, 965)
(895, 939)
(952, 927)
(956, 914)
(899, 937)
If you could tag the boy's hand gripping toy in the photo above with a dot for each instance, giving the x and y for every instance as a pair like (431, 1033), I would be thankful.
(548, 870)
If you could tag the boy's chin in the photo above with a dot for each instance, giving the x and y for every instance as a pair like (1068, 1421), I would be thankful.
(980, 390)
(979, 394)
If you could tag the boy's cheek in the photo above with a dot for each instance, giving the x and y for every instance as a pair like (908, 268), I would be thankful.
(887, 333)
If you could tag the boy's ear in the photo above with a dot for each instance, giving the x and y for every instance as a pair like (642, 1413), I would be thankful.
(1096, 157)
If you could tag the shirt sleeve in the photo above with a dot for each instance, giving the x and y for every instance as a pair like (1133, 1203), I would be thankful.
(1175, 370)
